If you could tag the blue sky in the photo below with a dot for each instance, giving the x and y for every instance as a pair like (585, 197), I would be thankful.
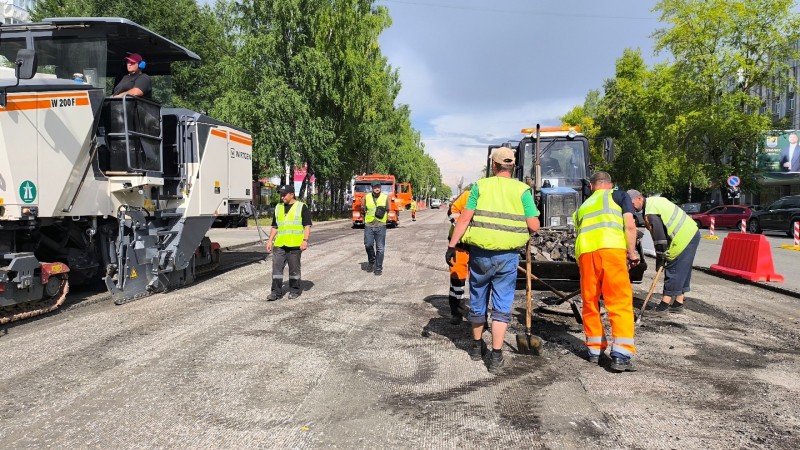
(475, 72)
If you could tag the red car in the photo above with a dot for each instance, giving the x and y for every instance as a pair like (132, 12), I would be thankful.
(725, 216)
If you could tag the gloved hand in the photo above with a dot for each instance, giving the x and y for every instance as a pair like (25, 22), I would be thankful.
(633, 259)
(450, 256)
(661, 260)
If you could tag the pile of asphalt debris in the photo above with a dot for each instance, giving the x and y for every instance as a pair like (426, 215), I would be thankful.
(553, 245)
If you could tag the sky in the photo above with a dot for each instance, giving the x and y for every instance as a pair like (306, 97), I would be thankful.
(475, 72)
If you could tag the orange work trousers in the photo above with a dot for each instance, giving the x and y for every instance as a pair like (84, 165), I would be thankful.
(605, 272)
(460, 268)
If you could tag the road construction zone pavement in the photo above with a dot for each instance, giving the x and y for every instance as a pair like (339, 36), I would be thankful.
(359, 361)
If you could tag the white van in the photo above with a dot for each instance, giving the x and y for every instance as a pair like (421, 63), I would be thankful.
(436, 203)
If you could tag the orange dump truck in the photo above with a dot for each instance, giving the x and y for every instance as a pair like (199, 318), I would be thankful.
(399, 197)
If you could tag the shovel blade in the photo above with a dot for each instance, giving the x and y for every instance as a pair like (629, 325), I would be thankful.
(576, 312)
(529, 345)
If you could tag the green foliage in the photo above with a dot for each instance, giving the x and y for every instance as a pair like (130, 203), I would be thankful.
(696, 119)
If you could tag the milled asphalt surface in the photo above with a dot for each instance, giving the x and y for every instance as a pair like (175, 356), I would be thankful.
(360, 361)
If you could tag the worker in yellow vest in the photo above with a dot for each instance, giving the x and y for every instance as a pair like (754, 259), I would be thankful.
(375, 210)
(495, 224)
(413, 210)
(605, 248)
(676, 238)
(288, 238)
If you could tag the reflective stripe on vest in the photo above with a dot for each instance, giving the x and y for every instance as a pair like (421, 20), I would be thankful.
(599, 224)
(680, 228)
(290, 225)
(371, 205)
(499, 221)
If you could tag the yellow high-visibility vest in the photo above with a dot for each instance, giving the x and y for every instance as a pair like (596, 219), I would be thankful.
(371, 205)
(290, 225)
(599, 223)
(680, 227)
(499, 221)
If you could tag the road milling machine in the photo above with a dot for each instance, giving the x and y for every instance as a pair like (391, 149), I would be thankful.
(93, 186)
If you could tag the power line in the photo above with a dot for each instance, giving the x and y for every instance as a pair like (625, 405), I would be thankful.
(569, 15)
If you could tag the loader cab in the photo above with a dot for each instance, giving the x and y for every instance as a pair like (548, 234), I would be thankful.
(563, 160)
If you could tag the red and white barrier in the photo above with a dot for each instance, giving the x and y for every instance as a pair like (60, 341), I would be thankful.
(744, 226)
(711, 227)
(797, 234)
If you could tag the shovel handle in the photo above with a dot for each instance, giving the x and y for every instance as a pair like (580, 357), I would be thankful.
(650, 293)
(528, 275)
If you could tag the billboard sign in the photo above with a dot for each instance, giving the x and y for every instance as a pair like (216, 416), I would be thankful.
(780, 152)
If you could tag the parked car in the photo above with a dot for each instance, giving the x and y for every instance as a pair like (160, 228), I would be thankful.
(725, 216)
(696, 208)
(436, 203)
(779, 216)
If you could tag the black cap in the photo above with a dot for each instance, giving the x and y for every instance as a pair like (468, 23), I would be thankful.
(286, 189)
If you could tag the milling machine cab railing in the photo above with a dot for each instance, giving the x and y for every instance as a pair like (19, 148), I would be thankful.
(131, 127)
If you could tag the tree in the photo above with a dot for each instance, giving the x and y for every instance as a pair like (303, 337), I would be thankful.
(726, 54)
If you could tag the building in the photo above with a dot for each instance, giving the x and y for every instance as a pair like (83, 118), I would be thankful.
(784, 105)
(16, 11)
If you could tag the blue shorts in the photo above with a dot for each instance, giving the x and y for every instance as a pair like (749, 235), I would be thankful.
(678, 272)
(492, 273)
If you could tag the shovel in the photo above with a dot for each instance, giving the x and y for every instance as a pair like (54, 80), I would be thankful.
(649, 294)
(576, 311)
(527, 343)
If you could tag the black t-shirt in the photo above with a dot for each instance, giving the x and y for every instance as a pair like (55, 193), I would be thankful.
(624, 201)
(139, 80)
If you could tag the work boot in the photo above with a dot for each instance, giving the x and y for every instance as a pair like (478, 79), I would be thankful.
(456, 319)
(621, 364)
(477, 350)
(676, 308)
(660, 310)
(293, 295)
(274, 296)
(378, 272)
(602, 359)
(497, 362)
(370, 267)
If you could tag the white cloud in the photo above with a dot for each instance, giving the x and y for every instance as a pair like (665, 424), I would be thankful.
(474, 72)
(459, 142)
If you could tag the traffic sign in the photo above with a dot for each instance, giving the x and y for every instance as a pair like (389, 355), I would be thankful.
(733, 181)
(27, 191)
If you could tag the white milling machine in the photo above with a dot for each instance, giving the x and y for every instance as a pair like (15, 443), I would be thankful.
(93, 186)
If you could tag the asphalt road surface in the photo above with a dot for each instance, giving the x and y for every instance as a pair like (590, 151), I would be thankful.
(360, 361)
